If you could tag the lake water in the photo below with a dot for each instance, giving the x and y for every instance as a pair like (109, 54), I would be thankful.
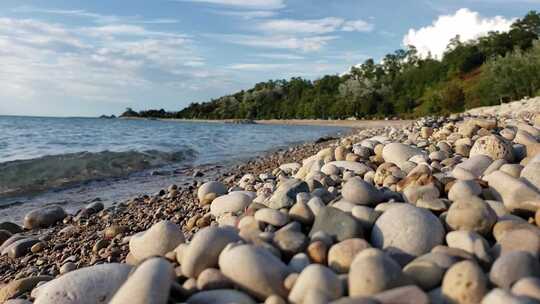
(70, 160)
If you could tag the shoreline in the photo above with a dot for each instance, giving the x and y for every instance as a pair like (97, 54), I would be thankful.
(181, 208)
(354, 124)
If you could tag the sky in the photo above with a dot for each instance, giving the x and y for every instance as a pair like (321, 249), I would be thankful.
(87, 58)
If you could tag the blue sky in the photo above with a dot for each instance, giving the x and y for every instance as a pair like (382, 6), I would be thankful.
(86, 58)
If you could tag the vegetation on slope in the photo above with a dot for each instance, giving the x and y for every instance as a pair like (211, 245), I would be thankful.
(492, 69)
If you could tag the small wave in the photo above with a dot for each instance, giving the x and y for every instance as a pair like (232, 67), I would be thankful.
(55, 171)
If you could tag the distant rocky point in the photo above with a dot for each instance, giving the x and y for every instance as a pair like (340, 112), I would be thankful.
(108, 117)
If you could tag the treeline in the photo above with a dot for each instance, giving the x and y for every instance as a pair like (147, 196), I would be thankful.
(497, 68)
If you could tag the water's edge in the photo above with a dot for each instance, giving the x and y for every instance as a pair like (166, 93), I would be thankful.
(112, 190)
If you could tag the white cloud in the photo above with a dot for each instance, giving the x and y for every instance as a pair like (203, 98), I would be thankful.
(358, 26)
(465, 23)
(41, 61)
(249, 4)
(280, 56)
(315, 26)
(259, 66)
(319, 26)
(98, 18)
(305, 44)
(248, 14)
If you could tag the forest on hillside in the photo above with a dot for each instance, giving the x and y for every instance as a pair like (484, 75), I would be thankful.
(499, 67)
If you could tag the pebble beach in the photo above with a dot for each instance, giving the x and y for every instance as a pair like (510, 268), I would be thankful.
(436, 210)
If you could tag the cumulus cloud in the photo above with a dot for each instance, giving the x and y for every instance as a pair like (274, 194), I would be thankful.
(250, 4)
(315, 26)
(465, 23)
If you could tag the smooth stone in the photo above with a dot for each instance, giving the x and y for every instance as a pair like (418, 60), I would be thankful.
(44, 217)
(344, 206)
(436, 205)
(290, 242)
(405, 232)
(399, 153)
(330, 169)
(413, 194)
(272, 216)
(514, 170)
(365, 215)
(495, 165)
(501, 296)
(112, 231)
(518, 240)
(372, 271)
(301, 213)
(530, 173)
(317, 252)
(355, 300)
(4, 236)
(356, 167)
(68, 267)
(11, 227)
(463, 174)
(426, 274)
(402, 295)
(18, 287)
(464, 189)
(493, 146)
(463, 150)
(443, 259)
(89, 285)
(471, 214)
(504, 226)
(160, 239)
(514, 193)
(464, 283)
(476, 164)
(209, 191)
(315, 204)
(298, 262)
(316, 277)
(316, 296)
(150, 283)
(359, 192)
(212, 278)
(18, 301)
(337, 224)
(290, 280)
(512, 267)
(290, 167)
(275, 299)
(471, 242)
(233, 202)
(285, 194)
(527, 287)
(220, 296)
(341, 255)
(91, 209)
(204, 249)
(255, 270)
(498, 207)
(19, 247)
